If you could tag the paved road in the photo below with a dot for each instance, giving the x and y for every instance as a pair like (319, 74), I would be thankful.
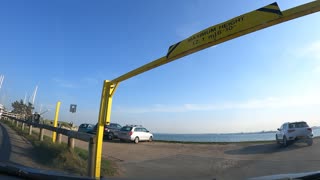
(209, 161)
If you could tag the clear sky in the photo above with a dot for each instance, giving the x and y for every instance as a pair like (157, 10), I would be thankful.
(252, 83)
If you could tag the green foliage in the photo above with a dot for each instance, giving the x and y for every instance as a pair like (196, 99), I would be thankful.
(20, 108)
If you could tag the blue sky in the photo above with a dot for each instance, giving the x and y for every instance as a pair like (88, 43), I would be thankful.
(67, 48)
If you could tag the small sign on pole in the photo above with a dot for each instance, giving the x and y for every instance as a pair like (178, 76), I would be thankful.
(73, 108)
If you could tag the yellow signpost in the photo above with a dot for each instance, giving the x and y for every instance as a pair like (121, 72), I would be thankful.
(55, 122)
(244, 24)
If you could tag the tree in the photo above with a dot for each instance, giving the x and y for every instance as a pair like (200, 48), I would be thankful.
(20, 108)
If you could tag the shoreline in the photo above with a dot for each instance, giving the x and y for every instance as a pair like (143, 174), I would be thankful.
(220, 143)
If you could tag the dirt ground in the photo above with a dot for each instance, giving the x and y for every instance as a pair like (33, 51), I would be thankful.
(158, 160)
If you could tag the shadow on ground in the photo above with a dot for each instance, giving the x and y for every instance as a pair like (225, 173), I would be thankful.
(5, 148)
(264, 149)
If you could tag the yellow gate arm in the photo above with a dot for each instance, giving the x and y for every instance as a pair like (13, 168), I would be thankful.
(244, 24)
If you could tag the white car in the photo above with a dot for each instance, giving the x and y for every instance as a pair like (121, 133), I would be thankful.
(294, 131)
(134, 133)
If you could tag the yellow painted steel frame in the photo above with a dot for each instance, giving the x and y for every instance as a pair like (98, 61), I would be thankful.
(110, 86)
(55, 122)
(287, 15)
(104, 118)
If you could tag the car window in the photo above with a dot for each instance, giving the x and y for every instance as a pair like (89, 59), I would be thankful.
(298, 125)
(137, 129)
(281, 127)
(118, 126)
(126, 128)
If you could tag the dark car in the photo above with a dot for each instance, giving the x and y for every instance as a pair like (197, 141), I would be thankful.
(87, 128)
(111, 131)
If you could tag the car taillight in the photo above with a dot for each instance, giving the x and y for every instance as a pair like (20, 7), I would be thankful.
(309, 129)
(130, 133)
(291, 130)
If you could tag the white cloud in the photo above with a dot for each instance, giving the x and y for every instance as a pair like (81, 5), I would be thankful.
(316, 69)
(63, 83)
(89, 80)
(307, 53)
(311, 50)
(266, 103)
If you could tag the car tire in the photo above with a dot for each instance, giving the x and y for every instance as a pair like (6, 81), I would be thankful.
(310, 142)
(136, 140)
(277, 140)
(110, 136)
(150, 139)
(284, 141)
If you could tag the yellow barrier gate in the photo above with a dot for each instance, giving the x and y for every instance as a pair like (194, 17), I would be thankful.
(247, 23)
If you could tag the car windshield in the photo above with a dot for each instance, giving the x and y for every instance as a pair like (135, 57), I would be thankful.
(298, 125)
(159, 89)
(84, 126)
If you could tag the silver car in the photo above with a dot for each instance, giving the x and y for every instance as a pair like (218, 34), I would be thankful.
(135, 133)
(294, 131)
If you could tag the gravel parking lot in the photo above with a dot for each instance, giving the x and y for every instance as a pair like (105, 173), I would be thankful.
(209, 161)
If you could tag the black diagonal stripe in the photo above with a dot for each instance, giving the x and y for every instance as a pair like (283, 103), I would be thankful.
(274, 4)
(275, 11)
(171, 48)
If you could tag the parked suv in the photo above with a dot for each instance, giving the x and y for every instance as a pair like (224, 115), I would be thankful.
(294, 131)
(111, 131)
(135, 133)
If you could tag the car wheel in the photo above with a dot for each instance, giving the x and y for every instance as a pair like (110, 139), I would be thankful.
(110, 136)
(136, 140)
(285, 141)
(310, 142)
(150, 139)
(278, 142)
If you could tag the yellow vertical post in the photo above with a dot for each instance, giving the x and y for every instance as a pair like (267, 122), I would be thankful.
(104, 118)
(55, 122)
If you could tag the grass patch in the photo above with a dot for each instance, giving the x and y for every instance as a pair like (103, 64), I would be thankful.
(59, 156)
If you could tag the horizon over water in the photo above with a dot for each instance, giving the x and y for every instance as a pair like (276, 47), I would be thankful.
(222, 137)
